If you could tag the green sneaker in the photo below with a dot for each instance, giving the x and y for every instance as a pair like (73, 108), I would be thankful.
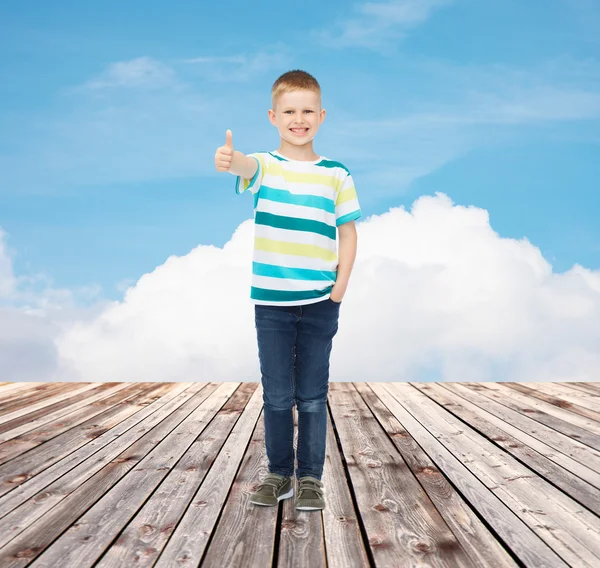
(310, 494)
(272, 489)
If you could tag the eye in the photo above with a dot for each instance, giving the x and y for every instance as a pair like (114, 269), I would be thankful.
(308, 111)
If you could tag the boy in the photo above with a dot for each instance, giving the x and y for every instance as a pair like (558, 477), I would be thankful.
(300, 200)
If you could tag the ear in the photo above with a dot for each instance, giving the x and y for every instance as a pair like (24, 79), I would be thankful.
(272, 117)
(322, 116)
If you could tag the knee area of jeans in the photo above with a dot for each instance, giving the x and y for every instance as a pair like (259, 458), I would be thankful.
(278, 408)
(318, 406)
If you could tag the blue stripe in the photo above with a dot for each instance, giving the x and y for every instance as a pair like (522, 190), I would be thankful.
(349, 217)
(273, 271)
(284, 196)
(239, 178)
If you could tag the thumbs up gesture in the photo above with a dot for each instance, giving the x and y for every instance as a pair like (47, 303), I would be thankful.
(224, 154)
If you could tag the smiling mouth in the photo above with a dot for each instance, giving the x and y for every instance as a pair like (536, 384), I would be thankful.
(299, 131)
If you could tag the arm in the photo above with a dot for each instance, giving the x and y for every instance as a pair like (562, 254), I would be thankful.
(347, 254)
(242, 165)
(229, 160)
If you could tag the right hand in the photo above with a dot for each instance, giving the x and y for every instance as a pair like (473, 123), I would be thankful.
(224, 154)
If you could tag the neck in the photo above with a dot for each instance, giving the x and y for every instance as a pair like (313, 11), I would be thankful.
(302, 153)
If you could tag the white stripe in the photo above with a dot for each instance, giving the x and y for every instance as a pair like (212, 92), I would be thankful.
(290, 285)
(298, 188)
(295, 237)
(347, 207)
(293, 261)
(291, 303)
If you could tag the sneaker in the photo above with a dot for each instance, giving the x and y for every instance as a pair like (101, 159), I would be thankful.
(310, 494)
(272, 489)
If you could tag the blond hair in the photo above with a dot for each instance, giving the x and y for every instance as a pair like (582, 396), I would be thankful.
(294, 80)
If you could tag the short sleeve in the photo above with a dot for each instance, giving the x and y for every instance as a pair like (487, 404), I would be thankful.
(347, 207)
(242, 184)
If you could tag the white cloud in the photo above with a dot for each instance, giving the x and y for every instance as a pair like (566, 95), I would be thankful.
(32, 315)
(377, 23)
(243, 67)
(140, 72)
(7, 277)
(435, 293)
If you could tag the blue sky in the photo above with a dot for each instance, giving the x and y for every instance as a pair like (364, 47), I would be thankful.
(110, 114)
(471, 129)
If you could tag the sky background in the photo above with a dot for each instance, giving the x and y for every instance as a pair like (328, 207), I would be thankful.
(471, 129)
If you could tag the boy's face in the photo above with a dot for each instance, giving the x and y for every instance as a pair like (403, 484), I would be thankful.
(297, 115)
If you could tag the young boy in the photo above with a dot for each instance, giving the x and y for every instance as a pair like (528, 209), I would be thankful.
(300, 200)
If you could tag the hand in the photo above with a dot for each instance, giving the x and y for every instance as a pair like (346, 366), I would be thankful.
(337, 294)
(224, 154)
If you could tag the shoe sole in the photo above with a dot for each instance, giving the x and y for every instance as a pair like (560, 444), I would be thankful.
(309, 508)
(287, 495)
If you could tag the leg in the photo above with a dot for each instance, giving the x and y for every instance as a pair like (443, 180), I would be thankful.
(276, 334)
(316, 329)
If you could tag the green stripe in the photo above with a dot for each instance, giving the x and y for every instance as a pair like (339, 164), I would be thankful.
(322, 163)
(266, 295)
(274, 271)
(295, 224)
(278, 157)
(332, 164)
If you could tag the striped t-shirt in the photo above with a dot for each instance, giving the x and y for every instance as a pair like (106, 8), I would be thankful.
(298, 206)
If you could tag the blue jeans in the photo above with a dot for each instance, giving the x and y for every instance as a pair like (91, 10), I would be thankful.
(294, 344)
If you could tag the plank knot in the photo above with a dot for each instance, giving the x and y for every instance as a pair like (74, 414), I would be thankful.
(29, 552)
(288, 524)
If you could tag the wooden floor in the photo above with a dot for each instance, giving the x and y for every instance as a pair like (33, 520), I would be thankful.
(417, 474)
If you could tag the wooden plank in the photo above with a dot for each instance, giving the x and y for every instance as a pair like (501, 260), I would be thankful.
(28, 502)
(525, 544)
(398, 517)
(19, 399)
(338, 523)
(589, 388)
(571, 425)
(17, 425)
(301, 532)
(76, 497)
(25, 466)
(7, 388)
(145, 537)
(559, 520)
(190, 538)
(555, 446)
(500, 432)
(479, 543)
(45, 404)
(87, 539)
(245, 534)
(41, 440)
(575, 401)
